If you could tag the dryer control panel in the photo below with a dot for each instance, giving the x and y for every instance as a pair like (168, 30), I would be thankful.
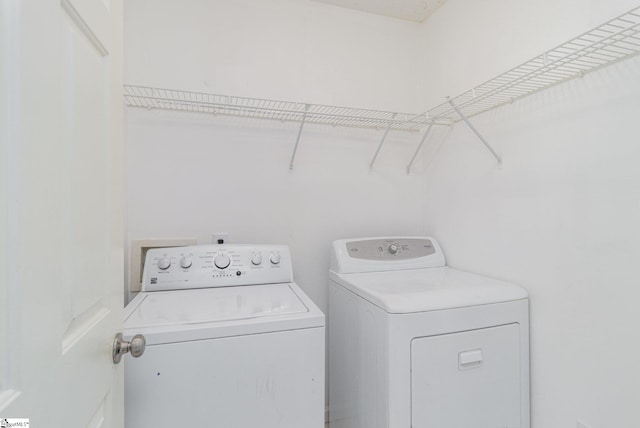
(385, 254)
(205, 266)
(390, 248)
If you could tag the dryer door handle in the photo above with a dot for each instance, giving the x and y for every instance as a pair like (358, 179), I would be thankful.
(469, 359)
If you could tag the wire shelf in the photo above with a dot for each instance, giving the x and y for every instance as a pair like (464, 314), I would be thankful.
(286, 111)
(611, 42)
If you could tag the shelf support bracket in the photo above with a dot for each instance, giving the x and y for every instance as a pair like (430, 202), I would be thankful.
(475, 131)
(384, 137)
(295, 148)
(415, 155)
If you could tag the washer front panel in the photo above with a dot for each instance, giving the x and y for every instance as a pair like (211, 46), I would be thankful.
(272, 380)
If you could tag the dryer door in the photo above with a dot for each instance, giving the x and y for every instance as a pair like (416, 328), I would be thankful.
(467, 380)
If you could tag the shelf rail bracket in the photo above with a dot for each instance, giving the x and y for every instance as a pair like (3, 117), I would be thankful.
(475, 131)
(295, 148)
(415, 155)
(384, 137)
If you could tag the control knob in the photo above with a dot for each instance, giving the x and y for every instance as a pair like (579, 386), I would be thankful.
(393, 248)
(222, 261)
(275, 258)
(256, 259)
(164, 263)
(186, 262)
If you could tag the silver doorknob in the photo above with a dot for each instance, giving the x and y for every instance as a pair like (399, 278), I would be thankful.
(135, 347)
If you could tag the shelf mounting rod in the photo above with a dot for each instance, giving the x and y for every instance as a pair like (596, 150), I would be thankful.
(424, 138)
(295, 148)
(384, 137)
(475, 131)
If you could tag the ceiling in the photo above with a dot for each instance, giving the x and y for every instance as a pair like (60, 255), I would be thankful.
(412, 10)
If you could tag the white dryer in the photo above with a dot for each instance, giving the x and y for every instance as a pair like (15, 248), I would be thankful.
(413, 343)
(232, 342)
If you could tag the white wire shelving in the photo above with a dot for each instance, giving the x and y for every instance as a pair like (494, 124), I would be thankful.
(606, 44)
(611, 42)
(285, 111)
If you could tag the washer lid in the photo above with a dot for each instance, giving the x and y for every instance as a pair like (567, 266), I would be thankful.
(420, 290)
(174, 316)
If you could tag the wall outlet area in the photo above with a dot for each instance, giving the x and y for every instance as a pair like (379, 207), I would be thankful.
(220, 238)
(139, 248)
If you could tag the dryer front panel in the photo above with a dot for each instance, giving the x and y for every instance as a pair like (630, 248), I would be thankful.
(467, 379)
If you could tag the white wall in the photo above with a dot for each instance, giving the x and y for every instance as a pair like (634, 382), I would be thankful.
(561, 217)
(192, 175)
(297, 50)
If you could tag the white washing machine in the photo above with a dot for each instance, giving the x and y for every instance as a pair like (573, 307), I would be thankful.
(415, 344)
(232, 342)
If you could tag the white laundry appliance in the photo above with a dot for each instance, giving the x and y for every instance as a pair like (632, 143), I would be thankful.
(231, 341)
(413, 343)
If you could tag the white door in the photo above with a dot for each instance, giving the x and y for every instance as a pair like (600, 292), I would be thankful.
(61, 211)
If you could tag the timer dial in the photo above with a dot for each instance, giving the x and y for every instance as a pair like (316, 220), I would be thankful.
(393, 248)
(222, 261)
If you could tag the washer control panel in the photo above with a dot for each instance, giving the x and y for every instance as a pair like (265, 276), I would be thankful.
(205, 266)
